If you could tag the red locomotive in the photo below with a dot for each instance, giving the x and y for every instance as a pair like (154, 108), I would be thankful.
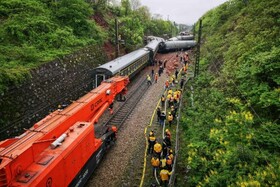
(61, 149)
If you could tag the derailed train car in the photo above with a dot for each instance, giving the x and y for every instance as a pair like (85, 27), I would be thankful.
(129, 64)
(153, 47)
(176, 45)
(183, 37)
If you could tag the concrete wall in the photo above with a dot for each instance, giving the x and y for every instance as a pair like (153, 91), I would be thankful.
(54, 83)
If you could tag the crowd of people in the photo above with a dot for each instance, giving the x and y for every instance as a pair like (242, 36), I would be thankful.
(161, 152)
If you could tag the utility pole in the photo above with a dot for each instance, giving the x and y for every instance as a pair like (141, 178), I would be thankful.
(117, 52)
(196, 70)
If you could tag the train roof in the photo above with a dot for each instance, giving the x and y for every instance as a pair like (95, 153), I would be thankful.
(180, 42)
(155, 38)
(153, 44)
(175, 45)
(184, 37)
(117, 64)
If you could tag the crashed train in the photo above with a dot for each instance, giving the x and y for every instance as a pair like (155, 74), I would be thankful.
(131, 63)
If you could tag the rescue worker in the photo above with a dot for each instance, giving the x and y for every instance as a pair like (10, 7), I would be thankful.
(173, 112)
(164, 176)
(113, 136)
(156, 77)
(171, 101)
(176, 106)
(162, 162)
(162, 100)
(166, 84)
(149, 81)
(158, 114)
(151, 141)
(182, 83)
(170, 153)
(168, 99)
(111, 108)
(170, 119)
(166, 144)
(176, 74)
(155, 163)
(152, 73)
(171, 81)
(157, 149)
(162, 118)
(168, 133)
(170, 92)
(169, 162)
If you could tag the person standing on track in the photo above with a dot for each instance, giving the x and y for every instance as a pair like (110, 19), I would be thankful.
(162, 101)
(162, 162)
(155, 163)
(152, 73)
(151, 141)
(162, 118)
(156, 77)
(170, 119)
(164, 176)
(166, 144)
(157, 149)
(149, 81)
(166, 84)
(158, 114)
(168, 133)
(169, 162)
(176, 74)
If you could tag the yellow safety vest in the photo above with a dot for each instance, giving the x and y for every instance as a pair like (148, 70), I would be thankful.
(170, 118)
(164, 174)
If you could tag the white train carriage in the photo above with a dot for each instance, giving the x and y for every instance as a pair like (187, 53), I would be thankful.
(129, 64)
(177, 45)
(153, 47)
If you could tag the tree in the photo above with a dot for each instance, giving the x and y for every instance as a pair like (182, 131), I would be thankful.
(135, 4)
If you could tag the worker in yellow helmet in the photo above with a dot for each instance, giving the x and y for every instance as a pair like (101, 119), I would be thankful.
(155, 163)
(151, 142)
(149, 80)
(162, 101)
(169, 162)
(157, 149)
(170, 119)
(164, 176)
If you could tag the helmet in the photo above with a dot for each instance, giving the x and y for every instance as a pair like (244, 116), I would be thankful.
(169, 112)
(166, 130)
(170, 151)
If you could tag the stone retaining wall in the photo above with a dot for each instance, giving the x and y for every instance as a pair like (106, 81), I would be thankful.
(52, 84)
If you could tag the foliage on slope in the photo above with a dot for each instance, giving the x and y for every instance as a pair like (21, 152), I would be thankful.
(135, 24)
(36, 31)
(33, 32)
(232, 133)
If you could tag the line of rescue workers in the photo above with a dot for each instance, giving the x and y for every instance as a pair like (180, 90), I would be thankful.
(161, 152)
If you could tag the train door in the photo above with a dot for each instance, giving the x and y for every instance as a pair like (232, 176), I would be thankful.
(98, 79)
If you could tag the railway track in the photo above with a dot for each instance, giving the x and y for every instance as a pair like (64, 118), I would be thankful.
(127, 107)
(136, 89)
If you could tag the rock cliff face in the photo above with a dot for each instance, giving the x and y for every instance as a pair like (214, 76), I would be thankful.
(54, 83)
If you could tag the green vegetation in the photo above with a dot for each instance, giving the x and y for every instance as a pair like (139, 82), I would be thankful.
(33, 32)
(134, 24)
(231, 135)
(37, 31)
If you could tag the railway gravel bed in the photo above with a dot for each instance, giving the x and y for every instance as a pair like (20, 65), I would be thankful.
(123, 164)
